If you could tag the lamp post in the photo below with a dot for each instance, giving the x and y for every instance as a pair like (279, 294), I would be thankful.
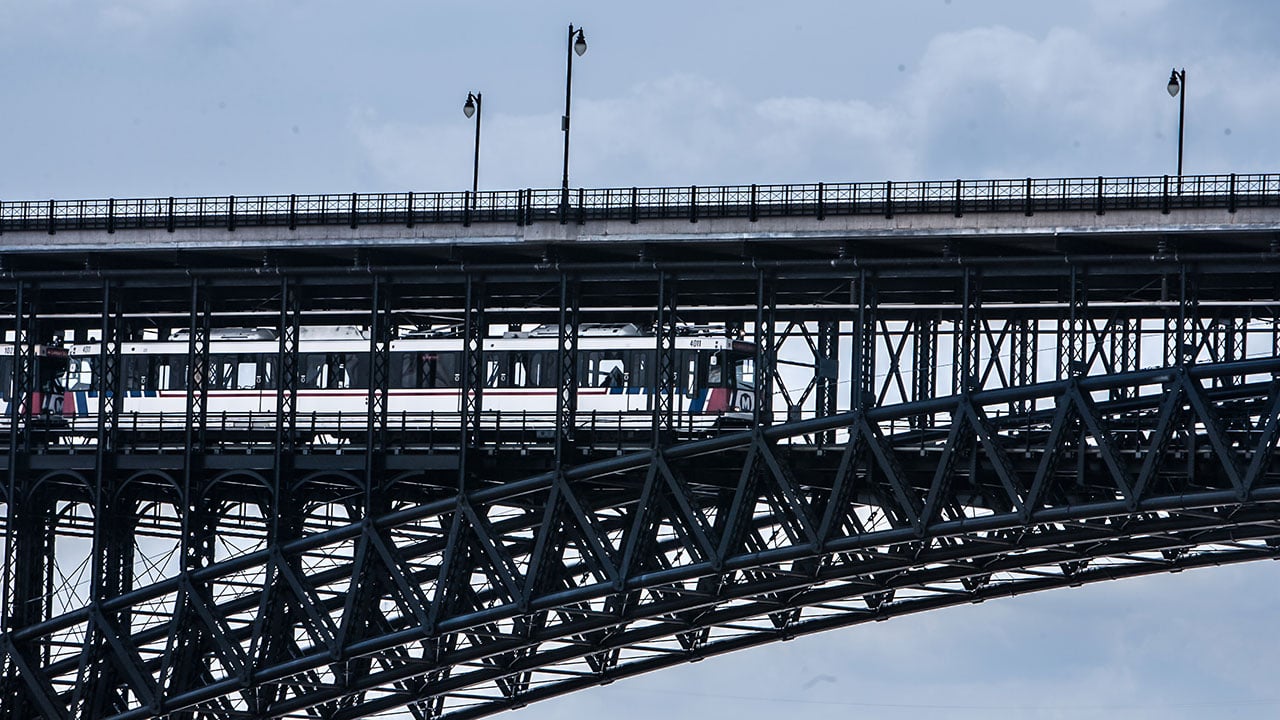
(472, 107)
(1178, 84)
(577, 44)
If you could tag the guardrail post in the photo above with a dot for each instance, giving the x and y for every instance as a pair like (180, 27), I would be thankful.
(959, 211)
(1028, 208)
(466, 209)
(293, 212)
(111, 215)
(635, 205)
(888, 199)
(528, 206)
(354, 218)
(1164, 196)
(822, 211)
(408, 211)
(169, 224)
(1231, 194)
(754, 214)
(693, 203)
(582, 207)
(1102, 204)
(231, 211)
(52, 229)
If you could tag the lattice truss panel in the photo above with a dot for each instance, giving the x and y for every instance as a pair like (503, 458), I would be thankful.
(446, 604)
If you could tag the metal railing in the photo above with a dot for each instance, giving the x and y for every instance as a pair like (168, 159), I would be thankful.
(425, 430)
(752, 202)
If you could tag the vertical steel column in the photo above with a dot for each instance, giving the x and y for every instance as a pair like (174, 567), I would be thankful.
(1182, 341)
(27, 549)
(1235, 345)
(1022, 359)
(1126, 349)
(967, 371)
(664, 378)
(189, 638)
(862, 389)
(471, 394)
(271, 636)
(828, 380)
(112, 562)
(200, 323)
(924, 376)
(1071, 328)
(766, 321)
(380, 331)
(567, 358)
(287, 373)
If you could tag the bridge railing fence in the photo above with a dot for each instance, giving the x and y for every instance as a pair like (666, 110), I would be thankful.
(635, 204)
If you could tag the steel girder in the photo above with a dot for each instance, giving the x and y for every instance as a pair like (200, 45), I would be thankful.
(514, 591)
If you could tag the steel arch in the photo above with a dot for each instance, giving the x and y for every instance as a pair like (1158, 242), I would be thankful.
(513, 592)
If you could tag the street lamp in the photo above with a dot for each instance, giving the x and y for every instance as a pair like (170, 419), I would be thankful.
(578, 45)
(1178, 83)
(473, 108)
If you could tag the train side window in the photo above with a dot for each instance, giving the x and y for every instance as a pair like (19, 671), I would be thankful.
(353, 371)
(517, 370)
(246, 377)
(160, 366)
(602, 368)
(403, 372)
(687, 371)
(744, 372)
(136, 372)
(497, 369)
(175, 369)
(266, 372)
(641, 366)
(441, 370)
(312, 376)
(6, 372)
(222, 372)
(540, 367)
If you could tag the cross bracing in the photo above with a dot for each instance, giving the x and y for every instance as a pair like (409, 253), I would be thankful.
(526, 589)
(939, 420)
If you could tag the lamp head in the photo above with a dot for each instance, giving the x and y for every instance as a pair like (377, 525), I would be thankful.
(580, 44)
(1175, 84)
(470, 108)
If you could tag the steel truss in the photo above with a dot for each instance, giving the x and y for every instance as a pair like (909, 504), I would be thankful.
(928, 431)
(614, 567)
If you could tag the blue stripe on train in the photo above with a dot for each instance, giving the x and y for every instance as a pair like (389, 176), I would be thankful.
(699, 401)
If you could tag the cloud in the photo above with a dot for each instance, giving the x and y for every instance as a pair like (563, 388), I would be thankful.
(982, 102)
(138, 15)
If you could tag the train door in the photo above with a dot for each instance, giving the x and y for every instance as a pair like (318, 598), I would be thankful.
(640, 375)
(742, 390)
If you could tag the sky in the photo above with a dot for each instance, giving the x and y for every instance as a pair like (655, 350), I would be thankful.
(142, 98)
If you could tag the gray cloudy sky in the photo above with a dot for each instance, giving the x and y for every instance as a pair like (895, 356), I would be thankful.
(182, 97)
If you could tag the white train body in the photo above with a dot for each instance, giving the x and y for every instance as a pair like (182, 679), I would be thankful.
(616, 367)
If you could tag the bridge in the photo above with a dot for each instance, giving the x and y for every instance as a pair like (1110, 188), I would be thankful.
(960, 390)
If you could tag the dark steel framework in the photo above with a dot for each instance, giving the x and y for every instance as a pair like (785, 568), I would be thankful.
(935, 423)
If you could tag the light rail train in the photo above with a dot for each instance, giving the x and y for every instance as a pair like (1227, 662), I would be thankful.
(616, 368)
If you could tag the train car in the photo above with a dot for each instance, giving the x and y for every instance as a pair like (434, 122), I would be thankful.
(46, 392)
(615, 376)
